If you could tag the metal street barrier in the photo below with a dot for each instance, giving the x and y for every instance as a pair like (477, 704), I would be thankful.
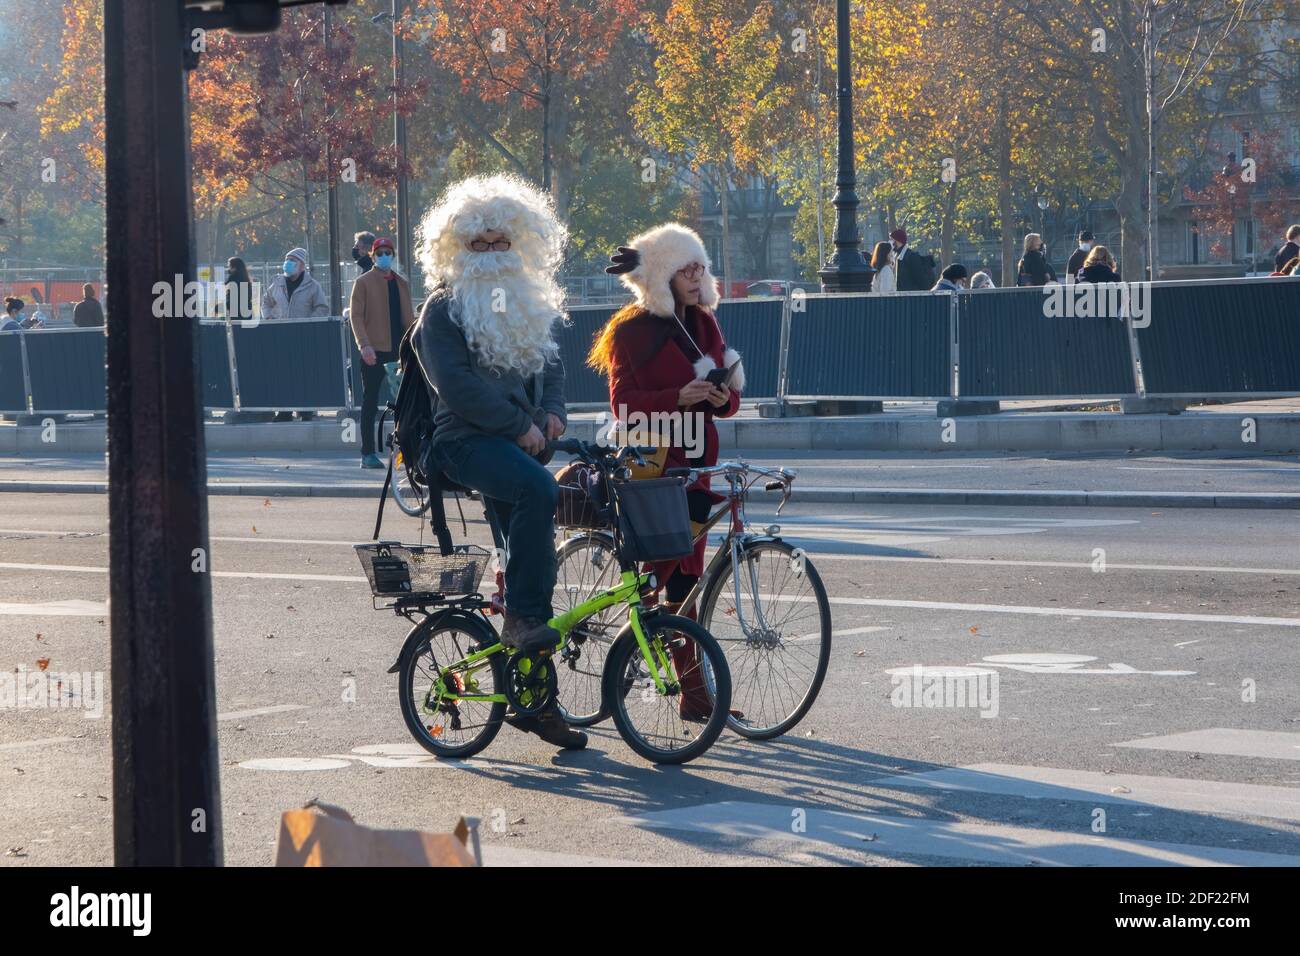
(1234, 338)
(869, 346)
(1008, 348)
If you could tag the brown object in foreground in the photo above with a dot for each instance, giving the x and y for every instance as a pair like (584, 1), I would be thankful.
(320, 834)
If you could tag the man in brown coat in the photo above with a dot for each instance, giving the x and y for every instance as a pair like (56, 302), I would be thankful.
(381, 313)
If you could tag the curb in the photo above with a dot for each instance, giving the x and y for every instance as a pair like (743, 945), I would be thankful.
(896, 496)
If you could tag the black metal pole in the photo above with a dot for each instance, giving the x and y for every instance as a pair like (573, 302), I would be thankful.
(846, 270)
(166, 799)
(336, 276)
(404, 241)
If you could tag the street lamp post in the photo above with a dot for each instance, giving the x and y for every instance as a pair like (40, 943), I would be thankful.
(846, 270)
(399, 137)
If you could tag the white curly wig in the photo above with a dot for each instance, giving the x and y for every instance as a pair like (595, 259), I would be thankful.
(519, 336)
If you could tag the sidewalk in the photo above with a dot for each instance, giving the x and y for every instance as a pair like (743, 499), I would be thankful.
(901, 427)
(1094, 479)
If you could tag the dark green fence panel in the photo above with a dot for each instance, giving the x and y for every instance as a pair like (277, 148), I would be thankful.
(13, 394)
(290, 364)
(753, 328)
(66, 367)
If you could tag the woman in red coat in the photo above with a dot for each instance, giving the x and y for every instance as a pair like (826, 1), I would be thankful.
(656, 352)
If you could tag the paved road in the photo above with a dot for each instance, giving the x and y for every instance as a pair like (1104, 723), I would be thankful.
(1157, 698)
(1092, 472)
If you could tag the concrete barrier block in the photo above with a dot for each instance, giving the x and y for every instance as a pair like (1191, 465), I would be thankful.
(856, 435)
(1111, 433)
(1026, 434)
(772, 434)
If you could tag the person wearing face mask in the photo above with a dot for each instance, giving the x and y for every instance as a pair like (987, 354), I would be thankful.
(295, 293)
(1086, 240)
(381, 313)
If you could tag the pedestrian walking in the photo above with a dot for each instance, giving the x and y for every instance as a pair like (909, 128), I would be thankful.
(295, 293)
(238, 291)
(88, 313)
(1100, 266)
(380, 312)
(1086, 241)
(915, 271)
(362, 245)
(1290, 248)
(883, 261)
(1034, 269)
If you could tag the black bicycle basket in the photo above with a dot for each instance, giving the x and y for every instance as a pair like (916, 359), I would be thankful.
(395, 570)
(653, 519)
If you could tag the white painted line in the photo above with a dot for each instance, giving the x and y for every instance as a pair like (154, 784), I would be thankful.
(44, 742)
(1050, 611)
(294, 764)
(1188, 643)
(71, 608)
(261, 711)
(1137, 792)
(1270, 744)
(849, 632)
(912, 836)
(1080, 565)
(257, 575)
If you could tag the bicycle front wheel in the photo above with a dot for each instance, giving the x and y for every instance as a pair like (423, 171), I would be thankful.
(681, 720)
(586, 565)
(770, 614)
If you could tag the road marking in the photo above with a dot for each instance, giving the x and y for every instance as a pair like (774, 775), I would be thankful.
(1067, 664)
(294, 764)
(494, 854)
(1188, 643)
(1228, 741)
(913, 836)
(70, 608)
(1110, 565)
(261, 711)
(1047, 611)
(1138, 792)
(852, 631)
(44, 742)
(255, 575)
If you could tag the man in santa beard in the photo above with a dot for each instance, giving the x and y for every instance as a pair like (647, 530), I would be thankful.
(490, 249)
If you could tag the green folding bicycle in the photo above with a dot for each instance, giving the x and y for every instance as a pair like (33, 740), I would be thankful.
(456, 679)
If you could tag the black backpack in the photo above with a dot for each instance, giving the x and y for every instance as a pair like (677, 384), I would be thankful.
(413, 412)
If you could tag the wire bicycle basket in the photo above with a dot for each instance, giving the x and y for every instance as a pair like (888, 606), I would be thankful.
(397, 570)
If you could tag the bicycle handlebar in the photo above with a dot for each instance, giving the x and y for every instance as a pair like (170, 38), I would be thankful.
(596, 454)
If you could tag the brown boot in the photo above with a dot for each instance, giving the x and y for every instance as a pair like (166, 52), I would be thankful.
(550, 726)
(695, 705)
(528, 634)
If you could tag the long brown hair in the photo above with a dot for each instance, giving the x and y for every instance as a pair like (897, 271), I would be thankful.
(601, 356)
(880, 255)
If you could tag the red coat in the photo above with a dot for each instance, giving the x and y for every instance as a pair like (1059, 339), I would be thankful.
(650, 366)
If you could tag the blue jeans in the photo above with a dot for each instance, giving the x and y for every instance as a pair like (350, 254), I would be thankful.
(522, 494)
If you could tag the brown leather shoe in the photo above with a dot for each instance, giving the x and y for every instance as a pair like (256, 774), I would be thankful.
(550, 726)
(528, 634)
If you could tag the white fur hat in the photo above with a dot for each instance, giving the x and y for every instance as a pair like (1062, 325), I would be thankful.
(661, 252)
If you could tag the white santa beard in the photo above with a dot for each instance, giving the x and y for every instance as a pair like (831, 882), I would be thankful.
(508, 318)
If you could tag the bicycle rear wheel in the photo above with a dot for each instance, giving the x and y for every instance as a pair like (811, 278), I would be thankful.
(651, 721)
(586, 565)
(778, 656)
(432, 684)
(411, 496)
